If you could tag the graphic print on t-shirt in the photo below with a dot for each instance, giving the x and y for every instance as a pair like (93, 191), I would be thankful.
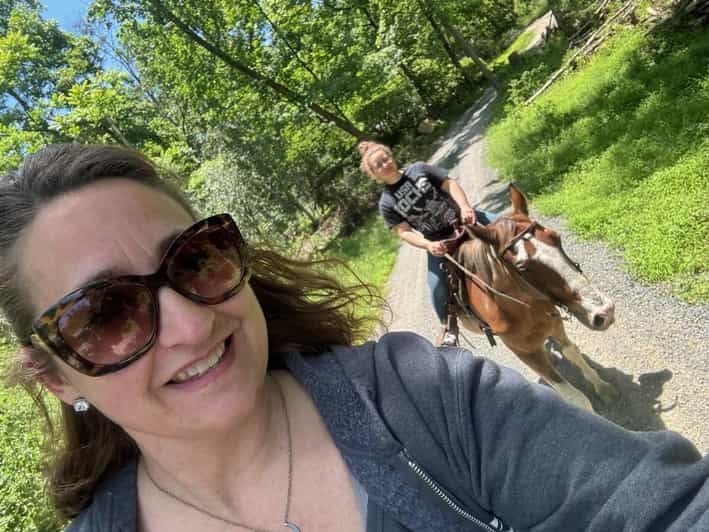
(408, 195)
(417, 198)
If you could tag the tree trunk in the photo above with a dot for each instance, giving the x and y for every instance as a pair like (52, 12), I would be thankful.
(405, 71)
(297, 57)
(444, 42)
(115, 133)
(260, 79)
(470, 51)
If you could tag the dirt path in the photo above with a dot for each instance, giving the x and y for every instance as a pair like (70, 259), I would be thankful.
(657, 352)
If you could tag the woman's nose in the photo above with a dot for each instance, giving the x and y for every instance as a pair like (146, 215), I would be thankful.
(183, 321)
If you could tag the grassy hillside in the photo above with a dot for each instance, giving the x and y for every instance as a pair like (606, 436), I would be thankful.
(621, 149)
(370, 252)
(23, 506)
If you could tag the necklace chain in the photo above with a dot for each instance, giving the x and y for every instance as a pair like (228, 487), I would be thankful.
(236, 523)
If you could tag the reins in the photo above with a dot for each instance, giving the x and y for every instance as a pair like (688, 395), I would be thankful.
(480, 282)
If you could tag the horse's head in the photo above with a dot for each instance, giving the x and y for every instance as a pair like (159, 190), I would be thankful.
(536, 252)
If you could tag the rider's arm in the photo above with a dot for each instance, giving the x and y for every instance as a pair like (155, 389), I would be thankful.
(409, 235)
(458, 194)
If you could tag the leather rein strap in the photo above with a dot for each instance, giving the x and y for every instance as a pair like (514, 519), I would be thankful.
(530, 231)
(475, 278)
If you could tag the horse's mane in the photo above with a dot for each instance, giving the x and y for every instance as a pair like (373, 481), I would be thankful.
(481, 257)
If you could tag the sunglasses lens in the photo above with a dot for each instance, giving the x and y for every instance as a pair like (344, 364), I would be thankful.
(107, 325)
(207, 265)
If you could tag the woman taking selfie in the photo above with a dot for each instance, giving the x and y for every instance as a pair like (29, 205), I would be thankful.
(205, 388)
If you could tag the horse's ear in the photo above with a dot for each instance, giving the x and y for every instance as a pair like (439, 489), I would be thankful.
(484, 232)
(519, 202)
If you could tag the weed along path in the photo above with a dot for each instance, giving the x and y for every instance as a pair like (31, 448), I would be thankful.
(657, 352)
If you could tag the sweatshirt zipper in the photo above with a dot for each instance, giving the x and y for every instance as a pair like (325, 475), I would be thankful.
(441, 494)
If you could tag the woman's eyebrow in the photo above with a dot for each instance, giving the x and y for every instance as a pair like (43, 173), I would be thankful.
(107, 273)
(98, 276)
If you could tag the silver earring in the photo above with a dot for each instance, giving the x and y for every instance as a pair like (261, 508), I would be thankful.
(80, 405)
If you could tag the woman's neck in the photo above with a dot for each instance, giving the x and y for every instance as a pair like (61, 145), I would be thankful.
(210, 472)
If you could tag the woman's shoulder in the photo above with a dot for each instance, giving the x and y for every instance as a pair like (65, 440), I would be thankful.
(418, 168)
(113, 506)
(407, 363)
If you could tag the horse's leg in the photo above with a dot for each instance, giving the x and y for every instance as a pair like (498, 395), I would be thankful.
(539, 362)
(605, 391)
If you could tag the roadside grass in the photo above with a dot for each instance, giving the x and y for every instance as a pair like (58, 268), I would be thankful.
(370, 251)
(529, 10)
(621, 149)
(534, 67)
(518, 45)
(24, 506)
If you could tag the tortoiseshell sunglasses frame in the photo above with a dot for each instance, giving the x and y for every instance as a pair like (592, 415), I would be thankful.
(45, 330)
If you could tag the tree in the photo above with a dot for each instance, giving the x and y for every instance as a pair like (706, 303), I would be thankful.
(37, 60)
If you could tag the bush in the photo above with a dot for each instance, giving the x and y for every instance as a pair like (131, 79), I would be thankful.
(24, 506)
(619, 148)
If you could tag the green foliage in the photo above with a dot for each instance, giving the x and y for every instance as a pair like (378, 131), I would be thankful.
(24, 506)
(37, 60)
(518, 45)
(370, 252)
(532, 70)
(620, 149)
(255, 92)
(530, 10)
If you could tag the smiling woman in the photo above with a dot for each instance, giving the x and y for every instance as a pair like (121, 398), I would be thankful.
(206, 384)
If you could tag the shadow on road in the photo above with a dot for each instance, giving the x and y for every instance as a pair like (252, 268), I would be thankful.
(494, 197)
(637, 408)
(460, 138)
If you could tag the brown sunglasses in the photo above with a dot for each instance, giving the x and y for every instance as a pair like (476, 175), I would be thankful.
(109, 324)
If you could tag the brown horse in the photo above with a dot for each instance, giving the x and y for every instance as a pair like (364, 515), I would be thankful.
(525, 261)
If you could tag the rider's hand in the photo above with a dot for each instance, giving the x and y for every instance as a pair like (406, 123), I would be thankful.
(467, 215)
(437, 249)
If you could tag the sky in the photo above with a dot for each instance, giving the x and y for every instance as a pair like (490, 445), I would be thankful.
(67, 12)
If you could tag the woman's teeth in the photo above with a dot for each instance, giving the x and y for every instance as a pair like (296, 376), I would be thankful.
(202, 366)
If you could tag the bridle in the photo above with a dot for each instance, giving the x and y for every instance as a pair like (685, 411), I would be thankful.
(530, 231)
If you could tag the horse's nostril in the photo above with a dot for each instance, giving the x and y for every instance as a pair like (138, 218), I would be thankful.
(599, 320)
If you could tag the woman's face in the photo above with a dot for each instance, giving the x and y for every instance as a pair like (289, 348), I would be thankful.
(384, 167)
(119, 227)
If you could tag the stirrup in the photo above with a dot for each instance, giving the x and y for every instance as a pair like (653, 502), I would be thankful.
(447, 338)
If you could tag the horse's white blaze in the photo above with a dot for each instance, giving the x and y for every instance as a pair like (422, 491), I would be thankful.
(521, 255)
(592, 303)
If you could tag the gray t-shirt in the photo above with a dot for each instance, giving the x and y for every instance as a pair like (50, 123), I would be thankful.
(417, 198)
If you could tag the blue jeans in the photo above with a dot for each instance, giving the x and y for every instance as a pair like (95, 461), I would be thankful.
(437, 282)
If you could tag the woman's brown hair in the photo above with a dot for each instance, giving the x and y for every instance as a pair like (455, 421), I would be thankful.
(367, 149)
(305, 309)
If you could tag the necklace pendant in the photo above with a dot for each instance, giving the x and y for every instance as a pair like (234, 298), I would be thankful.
(292, 526)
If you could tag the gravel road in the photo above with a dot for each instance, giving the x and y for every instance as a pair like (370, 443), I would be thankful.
(656, 353)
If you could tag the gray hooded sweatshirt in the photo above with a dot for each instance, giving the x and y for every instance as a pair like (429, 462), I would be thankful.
(442, 440)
